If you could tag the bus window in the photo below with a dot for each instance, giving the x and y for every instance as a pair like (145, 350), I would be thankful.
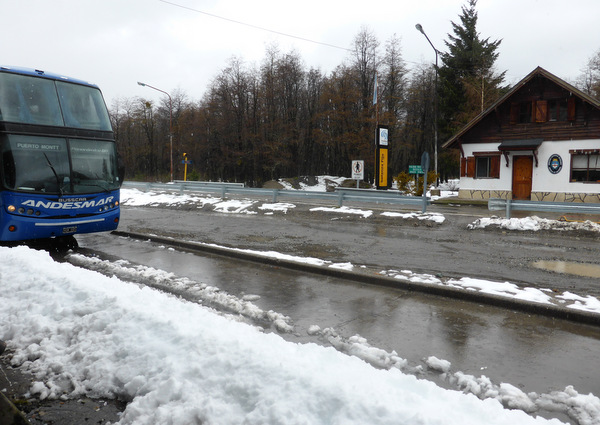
(29, 100)
(94, 166)
(83, 107)
(36, 164)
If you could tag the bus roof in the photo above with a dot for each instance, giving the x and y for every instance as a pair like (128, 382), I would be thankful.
(43, 74)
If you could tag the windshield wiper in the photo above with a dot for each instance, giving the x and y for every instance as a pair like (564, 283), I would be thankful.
(58, 184)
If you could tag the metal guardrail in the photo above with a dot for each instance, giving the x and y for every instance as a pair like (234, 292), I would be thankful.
(339, 196)
(508, 205)
(202, 184)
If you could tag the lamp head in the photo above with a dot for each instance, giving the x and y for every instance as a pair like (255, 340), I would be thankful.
(418, 27)
(141, 84)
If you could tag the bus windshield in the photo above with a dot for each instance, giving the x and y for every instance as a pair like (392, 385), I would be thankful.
(34, 100)
(57, 165)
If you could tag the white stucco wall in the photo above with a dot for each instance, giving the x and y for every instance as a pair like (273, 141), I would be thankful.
(543, 181)
(470, 183)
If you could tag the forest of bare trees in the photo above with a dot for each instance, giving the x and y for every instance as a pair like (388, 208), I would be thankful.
(282, 119)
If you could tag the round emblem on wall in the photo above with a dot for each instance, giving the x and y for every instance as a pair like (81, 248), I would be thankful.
(555, 164)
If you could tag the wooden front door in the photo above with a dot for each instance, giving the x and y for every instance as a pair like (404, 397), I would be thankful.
(522, 177)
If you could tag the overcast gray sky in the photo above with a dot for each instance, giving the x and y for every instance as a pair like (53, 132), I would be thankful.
(115, 43)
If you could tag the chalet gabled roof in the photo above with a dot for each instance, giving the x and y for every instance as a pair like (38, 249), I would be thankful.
(537, 71)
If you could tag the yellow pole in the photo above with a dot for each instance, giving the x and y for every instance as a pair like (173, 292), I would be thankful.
(185, 167)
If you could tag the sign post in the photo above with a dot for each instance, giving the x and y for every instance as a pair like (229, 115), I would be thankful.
(358, 171)
(185, 161)
(381, 156)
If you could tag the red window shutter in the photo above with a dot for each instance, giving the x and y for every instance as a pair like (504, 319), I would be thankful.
(571, 109)
(495, 167)
(541, 111)
(514, 113)
(463, 167)
(471, 166)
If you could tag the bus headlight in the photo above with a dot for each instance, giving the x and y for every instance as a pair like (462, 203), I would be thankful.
(11, 208)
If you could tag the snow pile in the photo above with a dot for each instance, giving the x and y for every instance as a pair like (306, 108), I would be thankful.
(137, 198)
(345, 210)
(533, 223)
(199, 292)
(504, 289)
(234, 206)
(320, 186)
(437, 364)
(584, 409)
(279, 206)
(177, 362)
(435, 217)
(587, 303)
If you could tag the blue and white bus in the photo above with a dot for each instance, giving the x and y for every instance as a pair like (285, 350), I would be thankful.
(59, 173)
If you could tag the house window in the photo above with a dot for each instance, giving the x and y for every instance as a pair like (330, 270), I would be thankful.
(482, 165)
(520, 112)
(557, 110)
(585, 166)
(524, 112)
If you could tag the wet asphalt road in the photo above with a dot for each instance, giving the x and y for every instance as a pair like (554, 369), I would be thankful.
(447, 249)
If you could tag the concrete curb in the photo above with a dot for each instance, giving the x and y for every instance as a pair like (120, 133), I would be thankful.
(9, 414)
(370, 278)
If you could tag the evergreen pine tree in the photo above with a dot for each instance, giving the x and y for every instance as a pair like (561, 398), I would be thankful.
(468, 80)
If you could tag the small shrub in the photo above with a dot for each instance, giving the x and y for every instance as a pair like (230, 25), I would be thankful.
(406, 182)
(193, 175)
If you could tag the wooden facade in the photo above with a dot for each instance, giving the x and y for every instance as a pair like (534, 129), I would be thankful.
(533, 123)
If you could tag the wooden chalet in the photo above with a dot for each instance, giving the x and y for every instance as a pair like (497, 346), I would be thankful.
(540, 141)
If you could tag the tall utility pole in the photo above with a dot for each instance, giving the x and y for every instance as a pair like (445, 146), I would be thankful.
(170, 120)
(435, 101)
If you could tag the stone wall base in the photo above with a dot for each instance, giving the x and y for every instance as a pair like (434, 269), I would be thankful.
(535, 196)
(566, 197)
(480, 195)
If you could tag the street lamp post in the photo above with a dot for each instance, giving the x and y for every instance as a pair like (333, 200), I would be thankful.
(435, 100)
(170, 121)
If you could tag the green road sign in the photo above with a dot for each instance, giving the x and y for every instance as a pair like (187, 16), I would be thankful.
(415, 169)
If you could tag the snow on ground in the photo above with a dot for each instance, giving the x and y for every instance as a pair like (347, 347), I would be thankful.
(178, 362)
(320, 186)
(435, 217)
(345, 210)
(533, 223)
(503, 289)
(138, 198)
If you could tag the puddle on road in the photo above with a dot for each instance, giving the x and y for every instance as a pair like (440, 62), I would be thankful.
(567, 267)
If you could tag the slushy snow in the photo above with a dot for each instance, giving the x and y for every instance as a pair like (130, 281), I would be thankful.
(177, 362)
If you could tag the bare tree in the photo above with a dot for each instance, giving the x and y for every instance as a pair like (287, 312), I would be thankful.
(589, 80)
(365, 63)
